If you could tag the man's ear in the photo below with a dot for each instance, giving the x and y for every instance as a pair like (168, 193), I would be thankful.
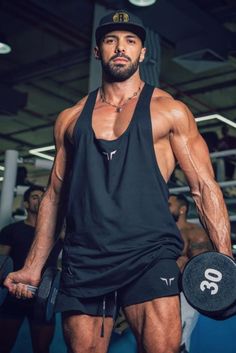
(142, 54)
(183, 209)
(96, 52)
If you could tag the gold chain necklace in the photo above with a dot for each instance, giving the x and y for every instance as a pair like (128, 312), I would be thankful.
(119, 108)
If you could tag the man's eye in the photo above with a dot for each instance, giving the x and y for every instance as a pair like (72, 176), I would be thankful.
(110, 40)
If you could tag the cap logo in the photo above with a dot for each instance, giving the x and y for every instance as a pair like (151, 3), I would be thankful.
(120, 17)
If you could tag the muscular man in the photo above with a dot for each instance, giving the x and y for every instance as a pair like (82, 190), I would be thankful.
(115, 151)
(15, 241)
(196, 241)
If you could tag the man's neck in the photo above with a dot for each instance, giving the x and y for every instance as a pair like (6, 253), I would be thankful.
(182, 223)
(117, 92)
(31, 219)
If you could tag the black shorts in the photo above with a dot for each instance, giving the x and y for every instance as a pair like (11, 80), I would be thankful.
(160, 280)
(20, 309)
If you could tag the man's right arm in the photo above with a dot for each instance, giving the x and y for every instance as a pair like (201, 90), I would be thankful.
(51, 207)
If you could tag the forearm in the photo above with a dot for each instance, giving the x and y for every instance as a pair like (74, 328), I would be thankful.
(44, 235)
(213, 215)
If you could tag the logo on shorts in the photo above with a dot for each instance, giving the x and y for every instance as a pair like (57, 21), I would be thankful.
(167, 280)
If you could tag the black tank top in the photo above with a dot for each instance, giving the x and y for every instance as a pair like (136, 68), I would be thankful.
(118, 219)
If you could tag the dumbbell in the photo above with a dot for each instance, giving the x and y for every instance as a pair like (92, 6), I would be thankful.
(209, 284)
(6, 266)
(44, 295)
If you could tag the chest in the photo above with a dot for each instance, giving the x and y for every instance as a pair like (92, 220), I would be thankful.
(108, 124)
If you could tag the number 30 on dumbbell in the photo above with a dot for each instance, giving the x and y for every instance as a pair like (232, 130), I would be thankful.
(209, 284)
(44, 295)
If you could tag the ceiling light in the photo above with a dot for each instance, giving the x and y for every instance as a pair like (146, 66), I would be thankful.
(4, 47)
(38, 152)
(142, 2)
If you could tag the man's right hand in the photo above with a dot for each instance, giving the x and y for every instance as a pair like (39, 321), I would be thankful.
(17, 282)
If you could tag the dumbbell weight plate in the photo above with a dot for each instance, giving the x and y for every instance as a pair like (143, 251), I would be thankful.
(6, 266)
(45, 296)
(209, 283)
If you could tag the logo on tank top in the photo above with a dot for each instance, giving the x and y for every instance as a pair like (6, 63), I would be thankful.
(167, 280)
(110, 155)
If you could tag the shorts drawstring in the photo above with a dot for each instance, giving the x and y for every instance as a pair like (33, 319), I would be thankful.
(103, 316)
(104, 312)
(115, 307)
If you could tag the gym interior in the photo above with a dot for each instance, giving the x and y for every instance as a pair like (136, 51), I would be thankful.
(47, 65)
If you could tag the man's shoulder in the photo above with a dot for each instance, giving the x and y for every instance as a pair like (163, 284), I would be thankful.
(160, 93)
(171, 110)
(10, 228)
(67, 118)
(164, 101)
(73, 110)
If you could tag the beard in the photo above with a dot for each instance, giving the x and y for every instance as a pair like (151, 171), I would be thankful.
(119, 72)
(175, 216)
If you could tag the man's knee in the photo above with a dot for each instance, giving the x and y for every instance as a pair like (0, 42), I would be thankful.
(85, 345)
(163, 346)
(85, 342)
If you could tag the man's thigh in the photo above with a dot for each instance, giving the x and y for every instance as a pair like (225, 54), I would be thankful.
(156, 324)
(83, 333)
(151, 306)
(87, 322)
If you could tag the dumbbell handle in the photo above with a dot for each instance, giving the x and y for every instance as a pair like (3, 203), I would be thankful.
(32, 289)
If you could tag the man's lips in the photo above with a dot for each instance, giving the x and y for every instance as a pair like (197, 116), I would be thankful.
(120, 58)
(123, 60)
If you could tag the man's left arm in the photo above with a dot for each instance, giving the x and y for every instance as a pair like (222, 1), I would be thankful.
(192, 154)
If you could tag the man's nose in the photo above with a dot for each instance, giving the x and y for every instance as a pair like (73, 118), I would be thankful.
(120, 48)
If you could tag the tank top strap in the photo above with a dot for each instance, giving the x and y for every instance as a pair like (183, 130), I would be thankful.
(84, 121)
(86, 114)
(143, 104)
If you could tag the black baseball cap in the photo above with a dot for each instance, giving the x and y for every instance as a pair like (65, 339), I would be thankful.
(120, 20)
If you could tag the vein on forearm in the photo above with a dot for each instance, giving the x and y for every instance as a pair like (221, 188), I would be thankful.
(210, 205)
(212, 213)
(50, 209)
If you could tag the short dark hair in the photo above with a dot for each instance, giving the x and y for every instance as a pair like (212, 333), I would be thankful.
(182, 199)
(31, 189)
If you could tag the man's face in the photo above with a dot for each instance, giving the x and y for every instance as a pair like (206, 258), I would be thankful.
(120, 53)
(174, 207)
(32, 206)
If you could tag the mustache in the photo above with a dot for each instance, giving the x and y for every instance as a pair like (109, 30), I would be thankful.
(120, 55)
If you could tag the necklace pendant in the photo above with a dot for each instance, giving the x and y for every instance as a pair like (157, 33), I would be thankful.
(118, 109)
